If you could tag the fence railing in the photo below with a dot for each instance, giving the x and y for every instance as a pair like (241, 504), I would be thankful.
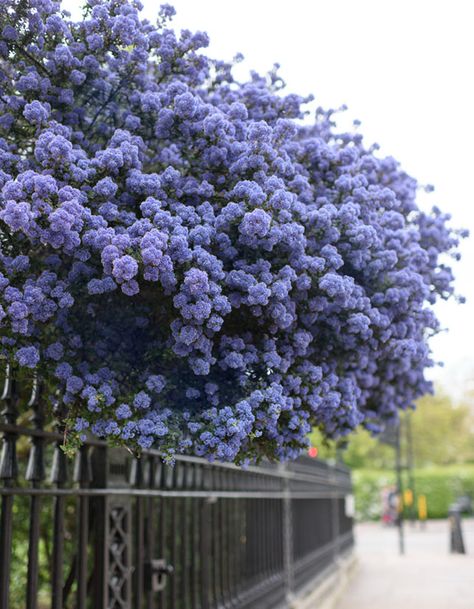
(113, 532)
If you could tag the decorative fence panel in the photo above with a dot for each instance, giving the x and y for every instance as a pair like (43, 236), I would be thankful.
(110, 531)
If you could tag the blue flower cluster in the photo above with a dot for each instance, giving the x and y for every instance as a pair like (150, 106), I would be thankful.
(194, 267)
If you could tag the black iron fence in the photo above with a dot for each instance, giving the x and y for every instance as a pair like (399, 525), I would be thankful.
(113, 532)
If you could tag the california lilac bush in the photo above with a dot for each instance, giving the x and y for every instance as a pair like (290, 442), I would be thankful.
(186, 262)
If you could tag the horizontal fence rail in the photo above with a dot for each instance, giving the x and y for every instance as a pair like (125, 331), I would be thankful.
(109, 531)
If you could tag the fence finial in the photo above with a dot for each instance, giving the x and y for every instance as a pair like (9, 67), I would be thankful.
(8, 458)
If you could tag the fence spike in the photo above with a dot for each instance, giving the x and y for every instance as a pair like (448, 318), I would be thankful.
(8, 458)
(35, 468)
(59, 471)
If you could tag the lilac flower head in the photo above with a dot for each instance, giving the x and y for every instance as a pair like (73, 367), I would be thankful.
(123, 411)
(36, 112)
(105, 187)
(142, 400)
(156, 383)
(125, 268)
(28, 357)
(185, 105)
(196, 281)
(255, 223)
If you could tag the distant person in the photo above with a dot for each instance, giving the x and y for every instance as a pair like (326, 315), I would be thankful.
(389, 498)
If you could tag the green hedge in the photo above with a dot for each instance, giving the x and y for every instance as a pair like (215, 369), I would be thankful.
(441, 485)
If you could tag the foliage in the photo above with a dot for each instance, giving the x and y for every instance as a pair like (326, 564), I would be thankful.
(442, 434)
(368, 485)
(359, 450)
(365, 450)
(20, 545)
(441, 485)
(186, 261)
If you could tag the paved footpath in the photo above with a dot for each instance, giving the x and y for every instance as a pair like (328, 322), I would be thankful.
(427, 577)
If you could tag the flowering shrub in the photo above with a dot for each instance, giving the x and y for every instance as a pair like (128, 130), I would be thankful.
(189, 264)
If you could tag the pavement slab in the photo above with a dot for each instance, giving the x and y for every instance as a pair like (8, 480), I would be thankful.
(426, 577)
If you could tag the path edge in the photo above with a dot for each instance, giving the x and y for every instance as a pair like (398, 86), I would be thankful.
(326, 589)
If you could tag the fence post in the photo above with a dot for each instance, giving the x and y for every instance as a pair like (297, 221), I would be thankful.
(113, 525)
(136, 480)
(287, 536)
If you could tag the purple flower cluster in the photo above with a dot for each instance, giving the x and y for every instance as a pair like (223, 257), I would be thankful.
(193, 267)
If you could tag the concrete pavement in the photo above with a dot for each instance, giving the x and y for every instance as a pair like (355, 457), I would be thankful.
(427, 577)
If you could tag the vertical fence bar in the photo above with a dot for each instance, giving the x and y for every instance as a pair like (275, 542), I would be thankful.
(196, 555)
(255, 535)
(259, 505)
(83, 476)
(272, 537)
(251, 543)
(99, 523)
(332, 515)
(260, 548)
(257, 554)
(279, 522)
(287, 527)
(334, 511)
(157, 515)
(181, 483)
(276, 527)
(205, 545)
(150, 526)
(223, 555)
(163, 532)
(216, 536)
(187, 541)
(225, 548)
(264, 515)
(268, 532)
(172, 536)
(248, 560)
(8, 474)
(35, 474)
(179, 532)
(58, 478)
(231, 545)
(238, 518)
(246, 564)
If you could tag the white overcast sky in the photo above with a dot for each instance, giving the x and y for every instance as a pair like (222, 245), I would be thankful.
(405, 69)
